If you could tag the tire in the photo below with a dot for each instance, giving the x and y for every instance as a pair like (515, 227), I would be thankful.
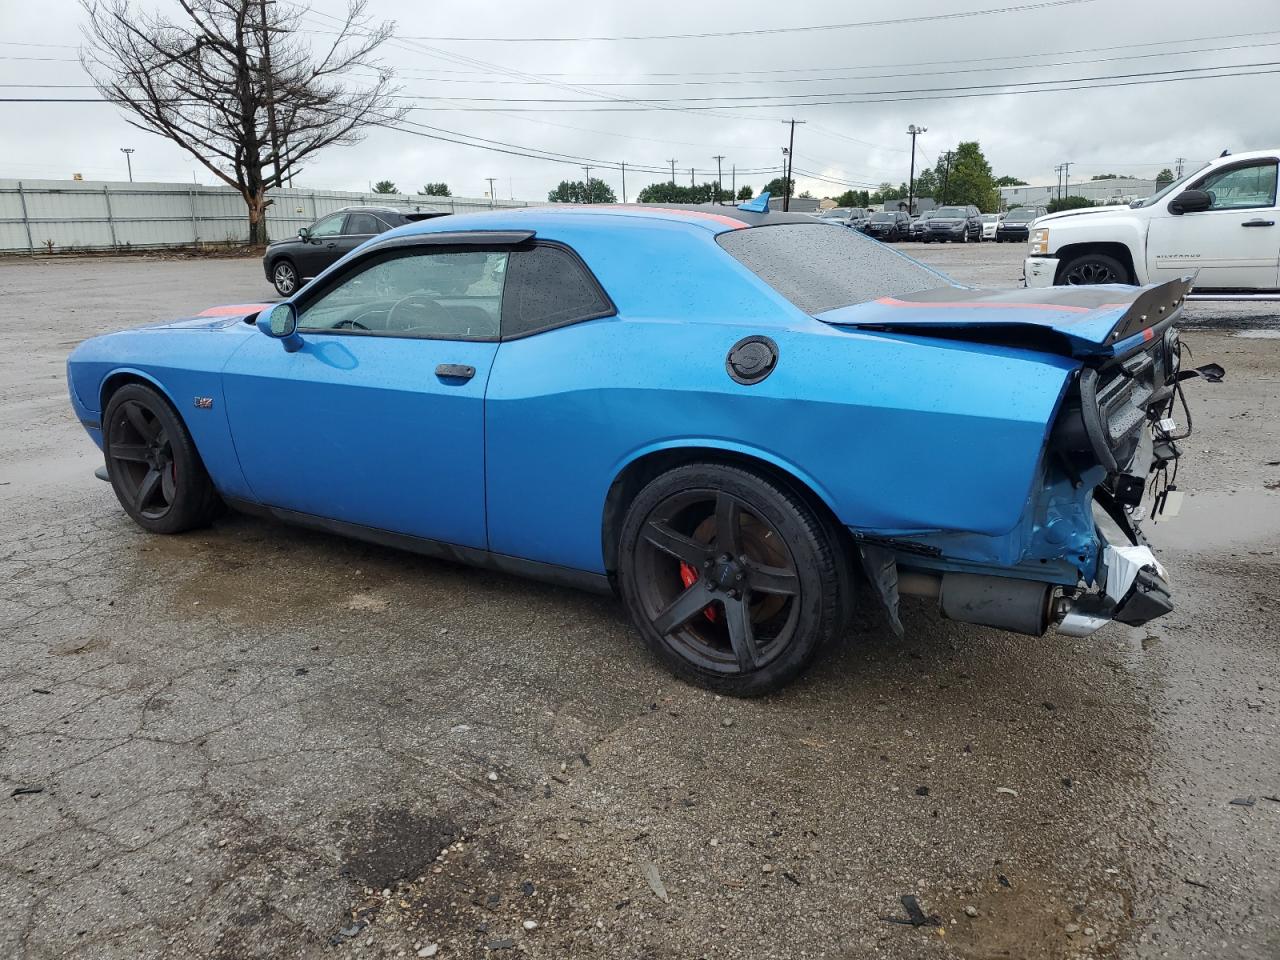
(284, 277)
(740, 628)
(1092, 268)
(154, 467)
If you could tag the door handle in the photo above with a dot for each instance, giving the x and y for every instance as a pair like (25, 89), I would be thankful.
(1258, 223)
(455, 371)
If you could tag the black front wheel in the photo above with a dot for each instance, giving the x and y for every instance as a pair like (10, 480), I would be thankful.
(732, 580)
(1091, 268)
(284, 277)
(154, 467)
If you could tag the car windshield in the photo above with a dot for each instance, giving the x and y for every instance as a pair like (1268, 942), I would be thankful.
(820, 270)
(836, 212)
(949, 213)
(1021, 215)
(1170, 187)
(883, 217)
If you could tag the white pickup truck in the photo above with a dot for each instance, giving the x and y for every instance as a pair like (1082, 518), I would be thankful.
(1219, 222)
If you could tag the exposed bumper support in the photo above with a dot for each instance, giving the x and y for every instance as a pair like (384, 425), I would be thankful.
(1135, 592)
(1040, 271)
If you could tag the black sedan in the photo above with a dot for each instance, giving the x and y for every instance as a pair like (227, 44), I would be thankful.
(1016, 225)
(292, 262)
(889, 225)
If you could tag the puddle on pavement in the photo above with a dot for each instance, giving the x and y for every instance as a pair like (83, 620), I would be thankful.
(1216, 520)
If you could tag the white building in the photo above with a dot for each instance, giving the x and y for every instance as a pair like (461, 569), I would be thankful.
(1119, 190)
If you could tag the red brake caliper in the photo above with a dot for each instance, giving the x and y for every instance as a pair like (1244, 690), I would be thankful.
(689, 576)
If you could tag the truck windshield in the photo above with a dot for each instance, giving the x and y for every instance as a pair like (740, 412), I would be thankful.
(820, 269)
(1169, 188)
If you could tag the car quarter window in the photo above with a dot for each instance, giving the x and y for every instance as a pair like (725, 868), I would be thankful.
(363, 224)
(1243, 187)
(548, 286)
(441, 295)
(330, 226)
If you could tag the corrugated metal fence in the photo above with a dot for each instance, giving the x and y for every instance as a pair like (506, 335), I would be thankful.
(62, 216)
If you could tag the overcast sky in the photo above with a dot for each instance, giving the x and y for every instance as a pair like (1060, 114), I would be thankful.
(1133, 130)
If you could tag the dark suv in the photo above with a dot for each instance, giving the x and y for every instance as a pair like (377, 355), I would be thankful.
(889, 225)
(1016, 225)
(962, 224)
(291, 263)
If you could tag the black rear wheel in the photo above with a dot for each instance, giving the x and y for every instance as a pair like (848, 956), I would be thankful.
(154, 467)
(731, 579)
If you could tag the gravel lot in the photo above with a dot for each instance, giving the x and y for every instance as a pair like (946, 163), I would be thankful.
(255, 741)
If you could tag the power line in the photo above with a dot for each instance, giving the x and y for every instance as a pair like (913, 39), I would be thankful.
(766, 31)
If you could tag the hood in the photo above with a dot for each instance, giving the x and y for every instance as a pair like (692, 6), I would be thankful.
(214, 318)
(1082, 322)
(1123, 212)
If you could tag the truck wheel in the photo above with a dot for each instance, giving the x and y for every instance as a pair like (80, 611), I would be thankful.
(1091, 268)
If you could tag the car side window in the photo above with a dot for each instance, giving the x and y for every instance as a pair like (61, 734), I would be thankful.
(330, 226)
(363, 225)
(548, 286)
(454, 295)
(1241, 188)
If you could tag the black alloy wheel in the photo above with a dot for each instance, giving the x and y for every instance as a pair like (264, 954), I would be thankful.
(732, 580)
(284, 277)
(1091, 268)
(153, 465)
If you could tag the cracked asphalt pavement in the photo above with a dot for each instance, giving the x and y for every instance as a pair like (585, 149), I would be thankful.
(256, 741)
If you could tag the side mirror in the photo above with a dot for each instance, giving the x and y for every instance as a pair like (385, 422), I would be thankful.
(280, 322)
(304, 232)
(1190, 201)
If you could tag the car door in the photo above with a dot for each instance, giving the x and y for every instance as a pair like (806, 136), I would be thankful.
(358, 228)
(378, 418)
(1233, 244)
(317, 250)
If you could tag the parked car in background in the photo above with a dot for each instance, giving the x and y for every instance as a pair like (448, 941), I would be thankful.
(918, 225)
(889, 225)
(443, 391)
(292, 262)
(854, 218)
(990, 221)
(1016, 225)
(962, 224)
(1221, 222)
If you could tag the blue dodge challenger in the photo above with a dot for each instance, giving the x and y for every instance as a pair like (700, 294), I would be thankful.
(729, 416)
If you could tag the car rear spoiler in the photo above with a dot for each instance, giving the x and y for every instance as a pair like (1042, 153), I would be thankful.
(1083, 321)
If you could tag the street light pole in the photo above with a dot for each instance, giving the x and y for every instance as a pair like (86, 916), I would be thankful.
(491, 179)
(128, 158)
(588, 189)
(715, 193)
(673, 172)
(913, 131)
(790, 153)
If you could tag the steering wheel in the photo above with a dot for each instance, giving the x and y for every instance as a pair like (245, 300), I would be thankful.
(413, 311)
(353, 324)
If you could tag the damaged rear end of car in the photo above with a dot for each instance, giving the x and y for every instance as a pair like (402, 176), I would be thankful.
(1077, 558)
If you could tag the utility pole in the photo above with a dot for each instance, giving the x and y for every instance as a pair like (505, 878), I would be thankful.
(1181, 161)
(128, 158)
(913, 131)
(673, 172)
(271, 93)
(588, 190)
(1058, 187)
(692, 181)
(715, 194)
(491, 179)
(1066, 178)
(733, 190)
(791, 148)
(624, 181)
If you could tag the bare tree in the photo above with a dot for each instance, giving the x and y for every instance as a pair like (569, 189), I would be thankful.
(233, 85)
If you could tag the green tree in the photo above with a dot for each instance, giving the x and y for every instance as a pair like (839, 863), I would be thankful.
(806, 195)
(1007, 181)
(777, 188)
(385, 186)
(745, 192)
(1069, 203)
(1165, 176)
(1105, 176)
(927, 183)
(966, 178)
(435, 190)
(576, 191)
(675, 193)
(853, 198)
